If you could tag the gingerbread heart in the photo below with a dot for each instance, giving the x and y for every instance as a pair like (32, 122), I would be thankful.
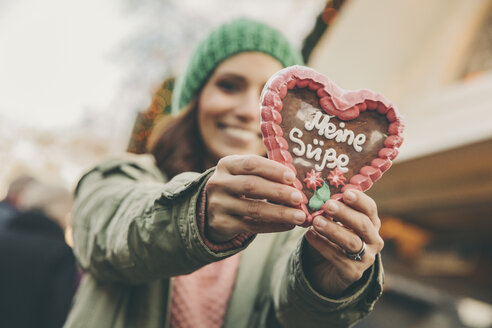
(332, 139)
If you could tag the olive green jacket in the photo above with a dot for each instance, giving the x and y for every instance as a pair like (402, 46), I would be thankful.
(134, 231)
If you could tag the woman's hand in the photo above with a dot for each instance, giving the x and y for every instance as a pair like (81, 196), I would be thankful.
(236, 195)
(326, 263)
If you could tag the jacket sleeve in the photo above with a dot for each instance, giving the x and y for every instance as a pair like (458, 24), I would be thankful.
(131, 226)
(298, 304)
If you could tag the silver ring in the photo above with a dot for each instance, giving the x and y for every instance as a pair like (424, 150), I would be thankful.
(357, 256)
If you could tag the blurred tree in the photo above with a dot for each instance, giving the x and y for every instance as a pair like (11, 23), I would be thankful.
(145, 121)
(326, 18)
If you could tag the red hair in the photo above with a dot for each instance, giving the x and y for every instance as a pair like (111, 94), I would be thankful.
(177, 144)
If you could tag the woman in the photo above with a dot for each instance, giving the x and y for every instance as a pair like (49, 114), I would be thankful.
(166, 247)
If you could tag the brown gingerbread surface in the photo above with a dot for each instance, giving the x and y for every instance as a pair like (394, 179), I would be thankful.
(300, 106)
(333, 139)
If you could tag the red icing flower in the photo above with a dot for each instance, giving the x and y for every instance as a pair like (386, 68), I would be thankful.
(336, 178)
(313, 180)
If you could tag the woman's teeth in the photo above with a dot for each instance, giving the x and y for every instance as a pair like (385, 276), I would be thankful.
(241, 133)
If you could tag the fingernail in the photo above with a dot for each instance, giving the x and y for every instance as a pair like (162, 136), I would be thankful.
(319, 222)
(300, 217)
(296, 197)
(331, 207)
(349, 196)
(289, 176)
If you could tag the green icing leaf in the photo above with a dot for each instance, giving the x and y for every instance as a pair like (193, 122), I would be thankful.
(324, 192)
(315, 203)
(320, 197)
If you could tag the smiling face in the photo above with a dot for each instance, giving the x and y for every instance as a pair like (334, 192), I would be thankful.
(228, 106)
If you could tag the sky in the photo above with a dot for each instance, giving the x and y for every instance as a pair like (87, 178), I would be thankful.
(51, 51)
(74, 74)
(59, 59)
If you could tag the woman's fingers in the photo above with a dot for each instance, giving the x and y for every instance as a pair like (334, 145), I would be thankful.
(258, 210)
(233, 215)
(259, 226)
(259, 166)
(328, 250)
(260, 188)
(347, 269)
(356, 222)
(364, 204)
(354, 219)
(236, 194)
(256, 177)
(261, 211)
(338, 234)
(346, 228)
(333, 251)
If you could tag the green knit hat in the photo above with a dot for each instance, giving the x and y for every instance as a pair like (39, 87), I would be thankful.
(231, 38)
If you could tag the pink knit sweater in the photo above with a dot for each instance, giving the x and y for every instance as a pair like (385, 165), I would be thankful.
(200, 299)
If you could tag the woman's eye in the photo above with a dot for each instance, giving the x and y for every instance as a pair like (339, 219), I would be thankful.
(228, 86)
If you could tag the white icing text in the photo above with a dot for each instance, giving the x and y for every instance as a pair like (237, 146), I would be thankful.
(330, 158)
(329, 131)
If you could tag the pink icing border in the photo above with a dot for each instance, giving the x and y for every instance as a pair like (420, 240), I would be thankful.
(346, 105)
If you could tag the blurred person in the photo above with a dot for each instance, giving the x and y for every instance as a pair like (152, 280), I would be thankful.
(8, 206)
(38, 270)
(187, 239)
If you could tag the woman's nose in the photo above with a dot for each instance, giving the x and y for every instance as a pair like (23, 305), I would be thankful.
(249, 107)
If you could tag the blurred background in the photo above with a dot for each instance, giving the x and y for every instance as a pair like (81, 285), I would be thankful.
(80, 81)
